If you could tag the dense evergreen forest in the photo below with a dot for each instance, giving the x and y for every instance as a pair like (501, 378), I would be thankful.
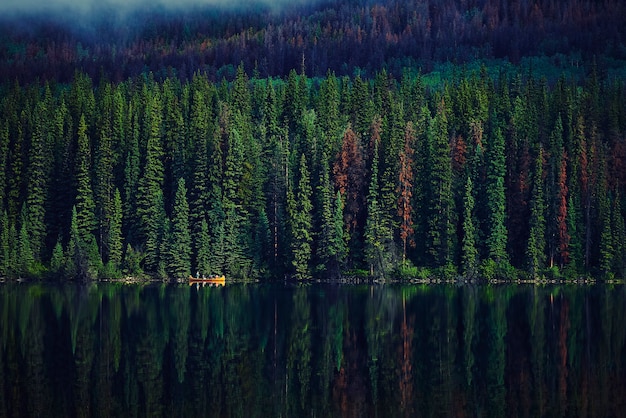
(489, 176)
(311, 141)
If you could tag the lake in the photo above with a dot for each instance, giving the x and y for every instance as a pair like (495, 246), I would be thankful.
(268, 350)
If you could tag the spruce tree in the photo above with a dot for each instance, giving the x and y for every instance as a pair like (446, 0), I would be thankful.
(180, 245)
(37, 177)
(535, 250)
(85, 206)
(301, 221)
(497, 238)
(377, 234)
(115, 241)
(441, 207)
(469, 251)
(405, 190)
(57, 261)
(150, 209)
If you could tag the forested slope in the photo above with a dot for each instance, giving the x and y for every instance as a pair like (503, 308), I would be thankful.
(343, 36)
(266, 177)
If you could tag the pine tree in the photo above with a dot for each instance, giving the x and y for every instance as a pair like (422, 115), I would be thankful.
(349, 175)
(497, 238)
(180, 257)
(405, 191)
(469, 251)
(150, 209)
(25, 257)
(85, 206)
(301, 222)
(57, 262)
(535, 250)
(37, 177)
(377, 235)
(441, 208)
(328, 114)
(115, 242)
(132, 172)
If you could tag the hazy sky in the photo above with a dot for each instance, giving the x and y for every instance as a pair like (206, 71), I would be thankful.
(82, 6)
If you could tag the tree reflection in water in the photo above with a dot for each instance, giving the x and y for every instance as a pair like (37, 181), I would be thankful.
(320, 350)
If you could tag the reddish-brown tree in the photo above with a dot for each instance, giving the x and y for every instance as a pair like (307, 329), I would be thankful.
(349, 176)
(405, 189)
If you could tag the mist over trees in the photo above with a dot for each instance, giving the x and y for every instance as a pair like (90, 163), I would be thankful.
(347, 37)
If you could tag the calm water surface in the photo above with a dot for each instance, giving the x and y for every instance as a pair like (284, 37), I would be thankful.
(320, 350)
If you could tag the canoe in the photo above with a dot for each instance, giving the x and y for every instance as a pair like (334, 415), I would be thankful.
(213, 280)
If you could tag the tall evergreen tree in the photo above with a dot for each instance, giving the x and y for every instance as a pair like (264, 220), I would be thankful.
(150, 210)
(377, 234)
(441, 208)
(37, 177)
(115, 241)
(469, 250)
(405, 190)
(535, 250)
(85, 206)
(497, 238)
(180, 244)
(301, 221)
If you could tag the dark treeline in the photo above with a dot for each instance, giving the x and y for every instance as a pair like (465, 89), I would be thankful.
(304, 177)
(344, 36)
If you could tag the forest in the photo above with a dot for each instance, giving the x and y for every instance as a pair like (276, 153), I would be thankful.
(314, 141)
(482, 176)
(344, 36)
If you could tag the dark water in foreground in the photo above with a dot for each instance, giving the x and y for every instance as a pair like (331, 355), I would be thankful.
(322, 350)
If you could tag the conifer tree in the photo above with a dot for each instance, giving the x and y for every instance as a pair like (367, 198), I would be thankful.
(301, 222)
(150, 209)
(37, 178)
(115, 242)
(25, 257)
(180, 244)
(349, 175)
(469, 251)
(85, 206)
(535, 250)
(405, 190)
(440, 222)
(328, 114)
(132, 171)
(377, 235)
(57, 261)
(497, 238)
(327, 252)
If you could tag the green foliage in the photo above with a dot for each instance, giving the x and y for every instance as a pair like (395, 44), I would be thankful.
(301, 222)
(301, 176)
(179, 265)
(469, 251)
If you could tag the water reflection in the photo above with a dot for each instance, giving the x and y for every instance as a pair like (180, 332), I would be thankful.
(270, 350)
